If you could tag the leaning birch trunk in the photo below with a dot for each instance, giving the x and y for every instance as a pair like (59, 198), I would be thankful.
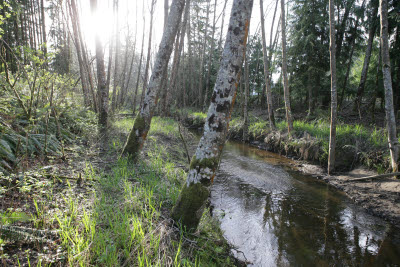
(271, 116)
(332, 138)
(142, 122)
(387, 82)
(286, 93)
(191, 202)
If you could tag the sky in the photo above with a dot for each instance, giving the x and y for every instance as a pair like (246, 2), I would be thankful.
(130, 10)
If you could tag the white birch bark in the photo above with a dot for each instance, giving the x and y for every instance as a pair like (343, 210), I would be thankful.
(191, 202)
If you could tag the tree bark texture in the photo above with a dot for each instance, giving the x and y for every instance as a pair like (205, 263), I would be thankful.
(191, 202)
(332, 137)
(142, 122)
(387, 82)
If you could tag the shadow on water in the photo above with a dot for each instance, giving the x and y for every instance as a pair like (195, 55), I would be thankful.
(275, 216)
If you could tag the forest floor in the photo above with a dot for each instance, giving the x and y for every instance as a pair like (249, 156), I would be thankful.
(362, 151)
(94, 208)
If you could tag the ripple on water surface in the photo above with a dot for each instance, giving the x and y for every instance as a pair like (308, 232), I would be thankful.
(277, 217)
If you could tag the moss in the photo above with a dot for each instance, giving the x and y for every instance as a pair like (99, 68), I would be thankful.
(132, 143)
(139, 123)
(190, 205)
(211, 163)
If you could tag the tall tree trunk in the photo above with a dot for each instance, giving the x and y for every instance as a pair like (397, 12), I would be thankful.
(44, 29)
(246, 97)
(101, 77)
(203, 54)
(176, 62)
(146, 70)
(342, 28)
(352, 43)
(122, 92)
(164, 83)
(142, 122)
(140, 65)
(73, 13)
(192, 199)
(332, 138)
(190, 59)
(133, 55)
(364, 72)
(117, 52)
(271, 116)
(286, 92)
(222, 27)
(210, 57)
(387, 82)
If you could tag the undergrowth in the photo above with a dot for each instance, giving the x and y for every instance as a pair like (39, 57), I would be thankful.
(118, 215)
(369, 145)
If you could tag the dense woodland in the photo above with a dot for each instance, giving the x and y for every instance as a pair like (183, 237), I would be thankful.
(83, 82)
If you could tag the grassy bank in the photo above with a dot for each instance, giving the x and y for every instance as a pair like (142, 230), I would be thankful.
(109, 212)
(356, 144)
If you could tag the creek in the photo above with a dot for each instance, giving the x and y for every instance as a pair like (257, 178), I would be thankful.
(273, 215)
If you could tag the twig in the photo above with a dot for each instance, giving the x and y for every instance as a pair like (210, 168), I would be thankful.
(184, 142)
(374, 177)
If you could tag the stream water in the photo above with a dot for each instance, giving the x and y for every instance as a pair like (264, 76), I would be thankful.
(275, 216)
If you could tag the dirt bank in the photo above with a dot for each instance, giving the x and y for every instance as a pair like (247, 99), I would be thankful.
(379, 197)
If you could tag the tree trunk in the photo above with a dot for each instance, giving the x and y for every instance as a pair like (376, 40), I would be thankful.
(192, 199)
(246, 97)
(146, 70)
(342, 28)
(133, 56)
(44, 30)
(203, 54)
(387, 82)
(352, 43)
(101, 77)
(332, 138)
(364, 72)
(140, 65)
(208, 77)
(142, 122)
(222, 27)
(117, 52)
(286, 93)
(271, 116)
(73, 14)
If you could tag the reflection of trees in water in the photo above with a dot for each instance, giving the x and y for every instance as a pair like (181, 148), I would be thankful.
(306, 223)
(310, 229)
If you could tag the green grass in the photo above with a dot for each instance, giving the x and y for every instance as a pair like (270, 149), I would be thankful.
(127, 221)
(368, 143)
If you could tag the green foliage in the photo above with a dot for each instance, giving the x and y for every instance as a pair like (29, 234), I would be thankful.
(124, 222)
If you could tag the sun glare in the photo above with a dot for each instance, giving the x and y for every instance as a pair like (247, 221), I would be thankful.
(102, 23)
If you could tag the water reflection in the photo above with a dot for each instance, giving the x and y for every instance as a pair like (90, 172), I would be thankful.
(278, 217)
